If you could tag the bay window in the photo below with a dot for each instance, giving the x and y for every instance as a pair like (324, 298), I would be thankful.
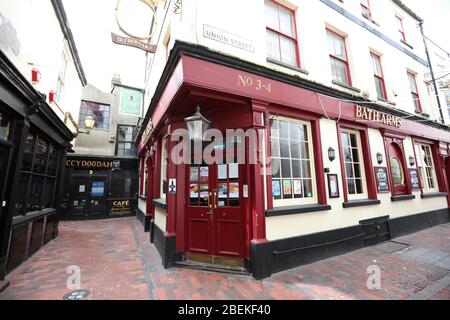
(292, 163)
(353, 164)
(281, 34)
(338, 58)
(426, 167)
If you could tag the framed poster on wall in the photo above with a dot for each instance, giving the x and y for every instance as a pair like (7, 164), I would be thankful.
(333, 185)
(414, 175)
(381, 177)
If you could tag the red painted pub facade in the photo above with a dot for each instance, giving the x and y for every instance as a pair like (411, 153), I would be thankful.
(236, 214)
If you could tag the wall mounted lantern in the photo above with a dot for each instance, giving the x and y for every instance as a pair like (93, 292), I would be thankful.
(197, 125)
(379, 158)
(412, 161)
(89, 122)
(331, 154)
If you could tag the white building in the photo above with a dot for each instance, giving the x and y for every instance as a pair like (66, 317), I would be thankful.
(35, 35)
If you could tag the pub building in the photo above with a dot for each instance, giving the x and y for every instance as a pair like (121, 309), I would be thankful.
(334, 175)
(99, 187)
(33, 146)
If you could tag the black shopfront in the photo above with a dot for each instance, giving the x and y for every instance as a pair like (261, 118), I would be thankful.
(33, 146)
(99, 187)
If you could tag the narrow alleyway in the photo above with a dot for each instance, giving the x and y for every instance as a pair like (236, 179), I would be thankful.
(118, 262)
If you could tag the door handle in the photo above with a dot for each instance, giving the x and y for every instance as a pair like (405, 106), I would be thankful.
(209, 201)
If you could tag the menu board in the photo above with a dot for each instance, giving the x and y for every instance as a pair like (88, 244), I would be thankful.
(414, 179)
(381, 179)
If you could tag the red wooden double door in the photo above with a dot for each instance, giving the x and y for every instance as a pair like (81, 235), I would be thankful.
(214, 210)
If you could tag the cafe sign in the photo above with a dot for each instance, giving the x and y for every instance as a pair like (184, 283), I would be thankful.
(368, 114)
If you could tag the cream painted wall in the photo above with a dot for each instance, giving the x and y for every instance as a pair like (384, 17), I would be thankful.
(142, 205)
(160, 218)
(246, 19)
(34, 36)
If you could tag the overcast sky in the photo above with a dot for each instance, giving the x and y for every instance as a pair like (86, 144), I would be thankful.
(92, 22)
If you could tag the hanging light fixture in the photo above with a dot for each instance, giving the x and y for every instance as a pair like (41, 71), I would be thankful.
(197, 125)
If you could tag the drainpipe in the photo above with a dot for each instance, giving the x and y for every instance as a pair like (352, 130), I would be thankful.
(431, 71)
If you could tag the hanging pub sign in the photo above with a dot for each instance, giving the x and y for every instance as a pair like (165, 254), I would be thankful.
(381, 179)
(368, 114)
(414, 179)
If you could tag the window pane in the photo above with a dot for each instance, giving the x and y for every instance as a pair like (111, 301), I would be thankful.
(271, 15)
(48, 193)
(304, 150)
(355, 155)
(397, 171)
(284, 148)
(286, 22)
(351, 186)
(287, 189)
(284, 129)
(53, 161)
(34, 197)
(276, 165)
(286, 168)
(274, 147)
(19, 197)
(273, 46)
(380, 89)
(288, 54)
(40, 158)
(307, 188)
(336, 45)
(296, 169)
(376, 65)
(412, 82)
(341, 72)
(27, 157)
(295, 149)
(98, 111)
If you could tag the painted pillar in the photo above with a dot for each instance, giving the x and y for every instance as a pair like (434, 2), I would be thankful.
(259, 246)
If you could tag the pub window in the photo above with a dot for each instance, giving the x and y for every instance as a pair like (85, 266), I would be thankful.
(100, 112)
(414, 91)
(281, 34)
(5, 126)
(353, 164)
(163, 190)
(37, 176)
(338, 58)
(292, 163)
(125, 143)
(426, 167)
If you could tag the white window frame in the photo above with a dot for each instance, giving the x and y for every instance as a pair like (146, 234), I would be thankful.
(421, 167)
(364, 194)
(298, 201)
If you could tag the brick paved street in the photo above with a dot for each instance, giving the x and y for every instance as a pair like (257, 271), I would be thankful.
(118, 262)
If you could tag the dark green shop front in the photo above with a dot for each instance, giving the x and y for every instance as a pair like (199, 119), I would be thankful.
(99, 187)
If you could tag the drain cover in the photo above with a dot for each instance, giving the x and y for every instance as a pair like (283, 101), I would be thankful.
(77, 295)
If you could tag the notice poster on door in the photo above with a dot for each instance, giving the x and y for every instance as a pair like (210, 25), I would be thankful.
(233, 189)
(193, 190)
(204, 173)
(223, 190)
(194, 174)
(222, 171)
(204, 189)
(98, 188)
(234, 170)
(82, 188)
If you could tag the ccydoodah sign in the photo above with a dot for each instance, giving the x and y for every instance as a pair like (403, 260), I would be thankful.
(377, 116)
(89, 164)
